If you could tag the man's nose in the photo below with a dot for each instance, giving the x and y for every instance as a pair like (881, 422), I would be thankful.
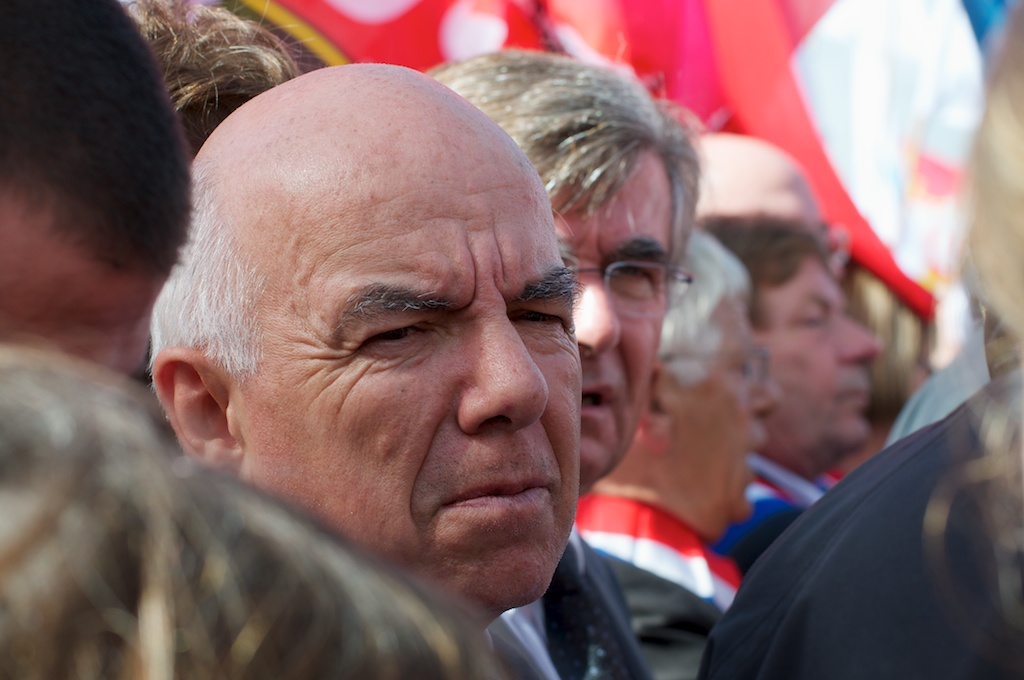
(598, 326)
(858, 345)
(506, 387)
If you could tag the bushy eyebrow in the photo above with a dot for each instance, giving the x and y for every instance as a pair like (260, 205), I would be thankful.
(640, 248)
(378, 299)
(558, 284)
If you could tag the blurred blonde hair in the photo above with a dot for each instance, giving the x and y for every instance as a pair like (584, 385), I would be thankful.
(907, 341)
(996, 237)
(120, 559)
(993, 482)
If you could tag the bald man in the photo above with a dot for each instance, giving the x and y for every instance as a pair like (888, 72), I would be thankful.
(373, 321)
(743, 175)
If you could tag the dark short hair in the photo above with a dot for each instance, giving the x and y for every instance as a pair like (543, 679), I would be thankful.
(213, 60)
(771, 248)
(88, 134)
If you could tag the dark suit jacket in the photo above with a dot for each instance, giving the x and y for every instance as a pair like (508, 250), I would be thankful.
(602, 582)
(671, 622)
(861, 587)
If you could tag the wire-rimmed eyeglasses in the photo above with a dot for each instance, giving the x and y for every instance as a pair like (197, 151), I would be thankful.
(639, 288)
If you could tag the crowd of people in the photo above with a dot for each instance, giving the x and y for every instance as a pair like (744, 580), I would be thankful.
(505, 370)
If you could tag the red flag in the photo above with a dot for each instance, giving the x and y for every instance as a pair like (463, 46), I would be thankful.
(754, 41)
(719, 58)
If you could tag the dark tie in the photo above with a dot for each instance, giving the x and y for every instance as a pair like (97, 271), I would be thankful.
(579, 627)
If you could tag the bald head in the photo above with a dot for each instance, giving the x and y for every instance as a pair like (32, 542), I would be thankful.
(373, 320)
(341, 127)
(747, 176)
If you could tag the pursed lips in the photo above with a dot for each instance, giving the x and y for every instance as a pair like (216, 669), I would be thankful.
(502, 489)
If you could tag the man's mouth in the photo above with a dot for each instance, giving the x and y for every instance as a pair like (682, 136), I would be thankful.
(592, 399)
(498, 490)
(499, 502)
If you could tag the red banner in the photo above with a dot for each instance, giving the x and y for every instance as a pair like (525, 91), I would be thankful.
(729, 61)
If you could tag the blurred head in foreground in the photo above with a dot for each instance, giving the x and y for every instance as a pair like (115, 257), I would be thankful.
(996, 245)
(118, 558)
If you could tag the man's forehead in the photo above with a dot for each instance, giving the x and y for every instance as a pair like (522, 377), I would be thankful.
(636, 222)
(428, 255)
(611, 235)
(812, 286)
(396, 215)
(747, 176)
(355, 137)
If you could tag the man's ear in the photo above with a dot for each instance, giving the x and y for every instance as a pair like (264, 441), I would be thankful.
(198, 397)
(655, 428)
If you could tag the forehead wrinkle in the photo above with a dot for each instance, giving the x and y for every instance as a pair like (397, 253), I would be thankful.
(513, 253)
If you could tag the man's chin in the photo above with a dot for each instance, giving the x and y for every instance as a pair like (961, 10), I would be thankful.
(848, 441)
(596, 460)
(504, 579)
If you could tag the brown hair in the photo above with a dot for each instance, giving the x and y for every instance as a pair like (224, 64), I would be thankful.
(213, 60)
(771, 248)
(87, 133)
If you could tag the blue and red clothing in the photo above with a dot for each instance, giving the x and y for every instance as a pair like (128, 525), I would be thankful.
(657, 541)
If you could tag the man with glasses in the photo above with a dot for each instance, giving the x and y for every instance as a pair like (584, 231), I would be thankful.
(621, 173)
(685, 476)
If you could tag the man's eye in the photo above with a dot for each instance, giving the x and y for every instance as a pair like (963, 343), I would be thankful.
(540, 316)
(633, 271)
(396, 334)
(635, 280)
(545, 320)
